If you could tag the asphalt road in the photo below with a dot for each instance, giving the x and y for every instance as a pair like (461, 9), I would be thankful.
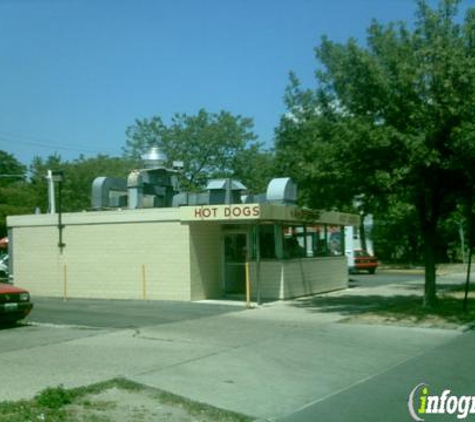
(384, 277)
(385, 396)
(136, 313)
(120, 313)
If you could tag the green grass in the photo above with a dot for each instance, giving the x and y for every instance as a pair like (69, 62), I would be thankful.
(58, 404)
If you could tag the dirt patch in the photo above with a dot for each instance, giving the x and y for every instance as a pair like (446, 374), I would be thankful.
(117, 400)
(119, 405)
(430, 321)
(409, 312)
(143, 404)
(397, 304)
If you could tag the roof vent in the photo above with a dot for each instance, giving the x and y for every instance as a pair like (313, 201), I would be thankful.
(282, 190)
(154, 158)
(225, 191)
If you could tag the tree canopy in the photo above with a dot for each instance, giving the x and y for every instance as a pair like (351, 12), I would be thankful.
(209, 145)
(390, 122)
(78, 177)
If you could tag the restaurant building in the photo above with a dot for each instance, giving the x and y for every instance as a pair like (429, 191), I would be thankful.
(183, 250)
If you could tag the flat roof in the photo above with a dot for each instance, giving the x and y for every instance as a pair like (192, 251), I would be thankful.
(243, 213)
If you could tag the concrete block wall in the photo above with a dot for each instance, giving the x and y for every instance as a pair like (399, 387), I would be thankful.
(115, 261)
(36, 262)
(206, 264)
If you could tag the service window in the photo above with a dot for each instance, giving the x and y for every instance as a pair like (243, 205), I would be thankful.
(267, 241)
(294, 244)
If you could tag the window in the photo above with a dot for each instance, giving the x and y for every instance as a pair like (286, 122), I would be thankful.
(324, 240)
(267, 241)
(295, 242)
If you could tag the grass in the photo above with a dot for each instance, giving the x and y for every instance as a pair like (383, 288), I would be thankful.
(58, 404)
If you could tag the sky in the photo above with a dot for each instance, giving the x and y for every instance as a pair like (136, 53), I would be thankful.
(74, 74)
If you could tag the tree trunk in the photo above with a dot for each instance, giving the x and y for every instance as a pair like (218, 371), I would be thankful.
(430, 263)
(363, 234)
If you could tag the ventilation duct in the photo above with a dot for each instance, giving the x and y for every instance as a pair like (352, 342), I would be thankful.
(282, 190)
(108, 192)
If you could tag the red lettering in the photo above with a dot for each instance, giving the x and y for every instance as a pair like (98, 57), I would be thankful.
(256, 211)
(214, 209)
(197, 212)
(227, 212)
(236, 212)
(246, 211)
(206, 213)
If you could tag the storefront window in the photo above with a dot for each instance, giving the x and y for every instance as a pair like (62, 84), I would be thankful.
(335, 240)
(267, 241)
(295, 242)
(326, 240)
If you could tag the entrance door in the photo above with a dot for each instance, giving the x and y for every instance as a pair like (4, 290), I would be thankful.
(235, 253)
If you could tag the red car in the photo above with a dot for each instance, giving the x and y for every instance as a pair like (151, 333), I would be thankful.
(14, 303)
(363, 261)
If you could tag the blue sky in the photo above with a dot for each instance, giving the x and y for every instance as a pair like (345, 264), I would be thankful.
(75, 73)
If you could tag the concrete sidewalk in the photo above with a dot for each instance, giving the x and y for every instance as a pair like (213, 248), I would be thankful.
(265, 362)
(267, 365)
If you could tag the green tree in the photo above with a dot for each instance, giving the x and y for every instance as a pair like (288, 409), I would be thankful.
(209, 144)
(14, 199)
(78, 177)
(390, 119)
(254, 167)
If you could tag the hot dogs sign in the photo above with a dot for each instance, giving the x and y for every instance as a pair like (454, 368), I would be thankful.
(221, 212)
(266, 212)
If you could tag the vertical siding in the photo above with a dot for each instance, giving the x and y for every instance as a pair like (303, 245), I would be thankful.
(271, 280)
(299, 277)
(206, 261)
(317, 275)
(105, 260)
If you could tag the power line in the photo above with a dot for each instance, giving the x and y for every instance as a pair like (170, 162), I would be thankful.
(6, 137)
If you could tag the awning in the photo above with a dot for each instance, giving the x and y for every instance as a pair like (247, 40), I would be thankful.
(252, 213)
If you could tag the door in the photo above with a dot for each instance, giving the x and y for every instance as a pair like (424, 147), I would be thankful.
(235, 255)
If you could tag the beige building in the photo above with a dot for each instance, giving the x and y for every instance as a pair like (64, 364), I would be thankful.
(181, 253)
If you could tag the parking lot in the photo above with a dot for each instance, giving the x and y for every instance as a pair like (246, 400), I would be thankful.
(121, 313)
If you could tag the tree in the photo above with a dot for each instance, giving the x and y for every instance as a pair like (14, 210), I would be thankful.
(79, 175)
(13, 198)
(390, 119)
(210, 145)
(11, 169)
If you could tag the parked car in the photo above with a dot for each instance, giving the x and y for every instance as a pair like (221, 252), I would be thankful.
(363, 261)
(15, 303)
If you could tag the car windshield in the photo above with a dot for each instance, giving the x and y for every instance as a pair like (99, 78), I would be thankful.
(361, 254)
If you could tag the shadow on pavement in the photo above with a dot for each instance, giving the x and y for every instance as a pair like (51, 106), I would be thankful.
(355, 304)
(7, 325)
(403, 302)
